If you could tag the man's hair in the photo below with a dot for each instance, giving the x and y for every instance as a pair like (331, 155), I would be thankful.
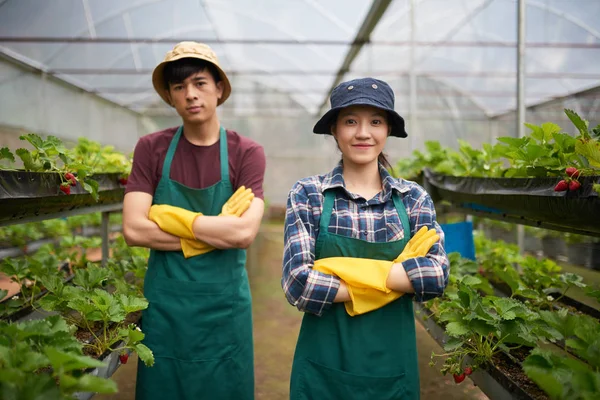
(179, 70)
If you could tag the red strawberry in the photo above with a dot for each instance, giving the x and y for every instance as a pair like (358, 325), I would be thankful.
(65, 188)
(123, 358)
(123, 181)
(70, 177)
(574, 185)
(572, 172)
(481, 271)
(561, 186)
(459, 378)
(468, 370)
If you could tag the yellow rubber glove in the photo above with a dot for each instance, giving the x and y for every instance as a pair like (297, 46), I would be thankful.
(419, 245)
(357, 272)
(367, 298)
(174, 220)
(238, 203)
(179, 221)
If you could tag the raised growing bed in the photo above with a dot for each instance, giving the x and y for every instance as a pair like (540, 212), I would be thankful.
(503, 290)
(26, 195)
(23, 312)
(527, 201)
(503, 380)
(111, 360)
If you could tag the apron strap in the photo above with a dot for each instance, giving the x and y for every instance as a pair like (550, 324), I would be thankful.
(224, 155)
(166, 171)
(403, 216)
(327, 209)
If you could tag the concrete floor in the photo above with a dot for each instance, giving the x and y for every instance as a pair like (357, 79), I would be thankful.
(276, 326)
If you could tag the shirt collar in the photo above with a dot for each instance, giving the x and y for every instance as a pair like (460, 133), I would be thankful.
(335, 179)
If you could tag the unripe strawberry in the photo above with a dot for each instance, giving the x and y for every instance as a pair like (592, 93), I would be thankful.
(561, 186)
(574, 185)
(572, 172)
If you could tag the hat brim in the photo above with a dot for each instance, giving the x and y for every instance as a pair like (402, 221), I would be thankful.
(158, 80)
(323, 126)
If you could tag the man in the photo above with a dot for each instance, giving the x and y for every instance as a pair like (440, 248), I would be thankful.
(180, 203)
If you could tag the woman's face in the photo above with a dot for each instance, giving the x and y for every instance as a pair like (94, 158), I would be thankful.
(361, 133)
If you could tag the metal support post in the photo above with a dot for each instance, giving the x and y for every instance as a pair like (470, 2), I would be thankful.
(104, 234)
(521, 32)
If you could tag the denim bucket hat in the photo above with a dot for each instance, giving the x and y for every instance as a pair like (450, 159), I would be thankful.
(366, 92)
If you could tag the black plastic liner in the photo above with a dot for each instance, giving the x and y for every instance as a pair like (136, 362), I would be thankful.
(531, 201)
(27, 194)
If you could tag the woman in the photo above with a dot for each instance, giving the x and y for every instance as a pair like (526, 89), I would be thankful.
(360, 212)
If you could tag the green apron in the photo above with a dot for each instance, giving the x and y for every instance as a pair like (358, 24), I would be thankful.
(368, 357)
(199, 321)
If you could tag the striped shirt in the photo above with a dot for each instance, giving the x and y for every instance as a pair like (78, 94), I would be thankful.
(374, 220)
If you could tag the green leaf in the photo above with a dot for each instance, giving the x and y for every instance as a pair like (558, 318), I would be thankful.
(536, 132)
(549, 130)
(457, 329)
(34, 361)
(481, 327)
(539, 368)
(66, 362)
(5, 154)
(92, 187)
(514, 142)
(28, 162)
(533, 151)
(591, 151)
(453, 344)
(32, 387)
(145, 354)
(580, 124)
(35, 140)
(564, 142)
(94, 384)
(133, 304)
(571, 279)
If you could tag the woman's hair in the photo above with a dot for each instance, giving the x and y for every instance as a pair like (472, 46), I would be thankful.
(381, 158)
(179, 70)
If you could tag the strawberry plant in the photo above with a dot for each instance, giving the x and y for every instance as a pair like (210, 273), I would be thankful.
(73, 166)
(99, 313)
(481, 327)
(561, 377)
(581, 334)
(42, 359)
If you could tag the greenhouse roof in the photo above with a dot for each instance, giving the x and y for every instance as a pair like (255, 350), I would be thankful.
(284, 57)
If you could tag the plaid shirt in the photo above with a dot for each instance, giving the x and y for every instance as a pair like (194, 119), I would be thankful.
(375, 220)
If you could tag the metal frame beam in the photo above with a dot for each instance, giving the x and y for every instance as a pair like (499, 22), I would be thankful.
(300, 42)
(378, 8)
(393, 73)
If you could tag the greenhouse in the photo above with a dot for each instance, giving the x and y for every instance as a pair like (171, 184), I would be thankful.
(300, 199)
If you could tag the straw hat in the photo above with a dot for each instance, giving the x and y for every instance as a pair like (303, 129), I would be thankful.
(189, 50)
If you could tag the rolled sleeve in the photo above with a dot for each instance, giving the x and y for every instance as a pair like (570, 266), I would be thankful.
(309, 290)
(429, 274)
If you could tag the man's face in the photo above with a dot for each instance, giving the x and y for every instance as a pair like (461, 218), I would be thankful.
(195, 99)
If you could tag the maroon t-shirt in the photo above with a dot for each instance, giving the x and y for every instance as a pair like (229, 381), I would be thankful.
(197, 167)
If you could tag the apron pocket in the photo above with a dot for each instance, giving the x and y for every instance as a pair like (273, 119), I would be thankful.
(189, 321)
(320, 382)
